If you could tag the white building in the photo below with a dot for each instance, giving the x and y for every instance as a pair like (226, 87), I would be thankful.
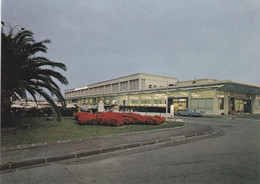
(151, 91)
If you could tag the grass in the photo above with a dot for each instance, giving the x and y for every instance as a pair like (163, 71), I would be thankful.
(42, 130)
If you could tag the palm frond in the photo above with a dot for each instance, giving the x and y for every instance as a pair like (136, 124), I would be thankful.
(23, 72)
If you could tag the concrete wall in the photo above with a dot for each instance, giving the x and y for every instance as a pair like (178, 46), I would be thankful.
(152, 81)
(197, 81)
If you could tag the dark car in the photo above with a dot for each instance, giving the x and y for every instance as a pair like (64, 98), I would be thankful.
(189, 112)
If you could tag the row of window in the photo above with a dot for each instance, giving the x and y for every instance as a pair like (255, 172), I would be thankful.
(116, 87)
(200, 100)
(199, 104)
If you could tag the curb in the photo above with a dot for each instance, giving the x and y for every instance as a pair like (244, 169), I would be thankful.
(79, 154)
(34, 145)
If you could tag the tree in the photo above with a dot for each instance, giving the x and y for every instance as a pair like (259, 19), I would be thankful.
(24, 72)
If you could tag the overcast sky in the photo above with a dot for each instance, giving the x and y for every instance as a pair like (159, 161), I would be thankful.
(186, 39)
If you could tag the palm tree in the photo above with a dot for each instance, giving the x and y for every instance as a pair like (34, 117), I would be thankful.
(23, 72)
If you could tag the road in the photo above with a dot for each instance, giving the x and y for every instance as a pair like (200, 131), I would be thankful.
(232, 156)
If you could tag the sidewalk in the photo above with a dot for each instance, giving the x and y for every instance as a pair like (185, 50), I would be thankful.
(11, 159)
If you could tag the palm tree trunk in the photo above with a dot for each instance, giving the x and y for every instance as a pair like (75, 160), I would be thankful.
(6, 111)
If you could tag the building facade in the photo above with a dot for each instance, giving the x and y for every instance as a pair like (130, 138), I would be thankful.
(210, 96)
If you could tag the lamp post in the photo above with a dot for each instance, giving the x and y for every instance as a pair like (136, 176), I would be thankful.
(166, 114)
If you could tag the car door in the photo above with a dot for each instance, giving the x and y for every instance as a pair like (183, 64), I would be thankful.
(186, 112)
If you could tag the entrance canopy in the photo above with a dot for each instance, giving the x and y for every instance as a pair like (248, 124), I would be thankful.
(241, 87)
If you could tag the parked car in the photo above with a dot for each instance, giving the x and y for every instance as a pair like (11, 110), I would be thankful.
(189, 112)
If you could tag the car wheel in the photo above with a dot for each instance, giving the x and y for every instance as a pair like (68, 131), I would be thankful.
(190, 115)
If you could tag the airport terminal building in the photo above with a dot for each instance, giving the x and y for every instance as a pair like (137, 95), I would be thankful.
(210, 96)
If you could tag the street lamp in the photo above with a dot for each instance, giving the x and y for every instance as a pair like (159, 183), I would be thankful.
(166, 114)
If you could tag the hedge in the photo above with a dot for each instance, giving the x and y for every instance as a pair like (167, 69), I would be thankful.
(116, 119)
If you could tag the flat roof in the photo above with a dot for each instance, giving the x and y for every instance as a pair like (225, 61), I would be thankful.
(227, 85)
(136, 74)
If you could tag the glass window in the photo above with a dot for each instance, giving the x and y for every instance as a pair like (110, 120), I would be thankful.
(96, 90)
(239, 105)
(123, 97)
(86, 91)
(101, 89)
(124, 86)
(108, 88)
(91, 91)
(145, 99)
(145, 102)
(221, 103)
(159, 101)
(179, 103)
(179, 94)
(159, 96)
(134, 84)
(202, 104)
(115, 87)
(208, 104)
(220, 94)
(133, 100)
(142, 83)
(257, 104)
(202, 94)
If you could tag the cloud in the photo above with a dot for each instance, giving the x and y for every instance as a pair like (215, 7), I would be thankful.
(99, 40)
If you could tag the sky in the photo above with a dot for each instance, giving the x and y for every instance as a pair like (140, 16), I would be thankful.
(104, 39)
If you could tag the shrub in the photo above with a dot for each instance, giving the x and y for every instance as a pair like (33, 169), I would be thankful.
(116, 119)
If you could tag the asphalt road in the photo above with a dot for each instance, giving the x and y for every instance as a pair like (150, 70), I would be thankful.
(232, 156)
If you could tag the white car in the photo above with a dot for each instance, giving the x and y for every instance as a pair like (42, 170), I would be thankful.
(189, 112)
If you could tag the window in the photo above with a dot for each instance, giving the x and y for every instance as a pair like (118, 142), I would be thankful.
(257, 104)
(142, 83)
(202, 104)
(124, 86)
(101, 89)
(202, 94)
(159, 102)
(179, 94)
(86, 91)
(221, 103)
(115, 87)
(134, 84)
(239, 105)
(145, 99)
(134, 100)
(91, 90)
(108, 88)
(145, 102)
(96, 90)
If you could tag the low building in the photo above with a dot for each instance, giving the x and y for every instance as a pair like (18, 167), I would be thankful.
(209, 96)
